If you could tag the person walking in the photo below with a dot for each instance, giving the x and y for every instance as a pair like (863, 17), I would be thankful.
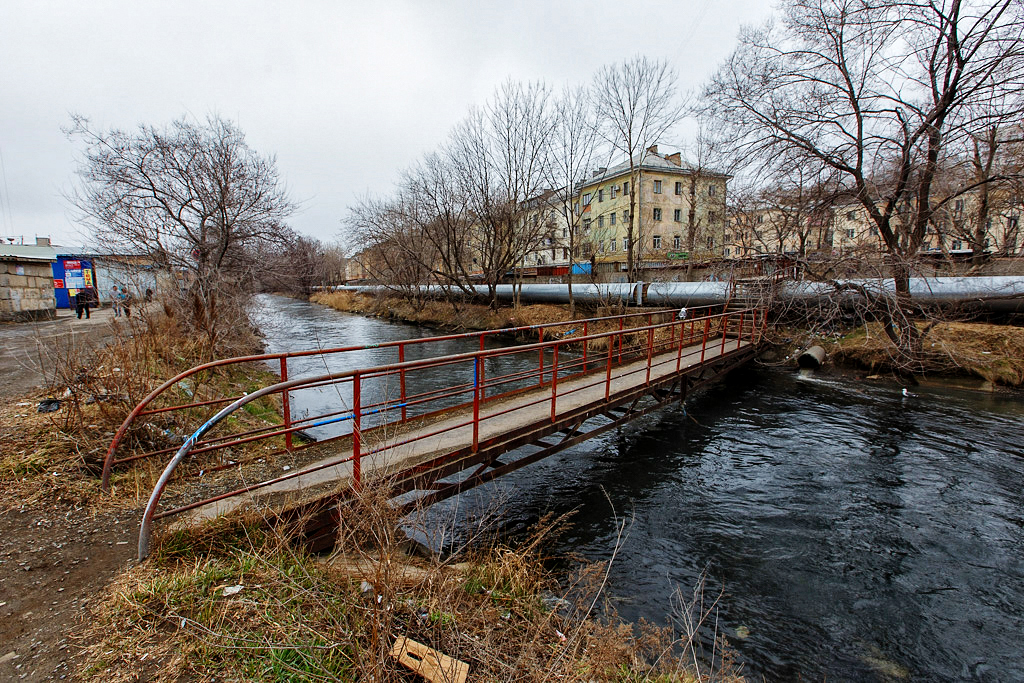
(115, 301)
(82, 302)
(126, 302)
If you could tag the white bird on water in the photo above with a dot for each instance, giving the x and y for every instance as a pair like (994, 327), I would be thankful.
(907, 394)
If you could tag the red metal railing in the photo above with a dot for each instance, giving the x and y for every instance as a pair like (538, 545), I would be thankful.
(459, 387)
(290, 426)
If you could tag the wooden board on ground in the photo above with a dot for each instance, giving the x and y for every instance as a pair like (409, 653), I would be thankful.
(429, 663)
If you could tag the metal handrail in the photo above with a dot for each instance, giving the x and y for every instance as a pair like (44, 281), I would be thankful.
(140, 409)
(355, 375)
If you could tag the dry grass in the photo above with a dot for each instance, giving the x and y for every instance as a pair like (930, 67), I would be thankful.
(300, 618)
(57, 456)
(447, 315)
(991, 352)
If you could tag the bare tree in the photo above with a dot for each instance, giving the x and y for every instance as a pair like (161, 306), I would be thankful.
(637, 103)
(573, 143)
(875, 92)
(193, 196)
(498, 157)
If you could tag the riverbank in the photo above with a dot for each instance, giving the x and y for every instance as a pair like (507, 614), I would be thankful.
(233, 599)
(993, 354)
(451, 316)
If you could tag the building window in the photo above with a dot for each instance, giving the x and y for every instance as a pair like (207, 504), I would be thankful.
(625, 216)
(711, 242)
(613, 190)
(565, 254)
(625, 188)
(851, 216)
(679, 187)
(957, 244)
(586, 224)
(657, 187)
(656, 242)
(727, 251)
(553, 255)
(611, 244)
(958, 207)
(565, 232)
(600, 221)
(849, 233)
(600, 195)
(657, 214)
(712, 216)
(711, 190)
(625, 244)
(760, 218)
(676, 242)
(586, 199)
(612, 217)
(677, 215)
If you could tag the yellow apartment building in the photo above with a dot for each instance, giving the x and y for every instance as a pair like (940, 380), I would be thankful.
(667, 189)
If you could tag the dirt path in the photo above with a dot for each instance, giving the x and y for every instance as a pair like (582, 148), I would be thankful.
(27, 349)
(54, 562)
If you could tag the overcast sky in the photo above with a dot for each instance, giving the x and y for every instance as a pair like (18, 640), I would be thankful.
(345, 94)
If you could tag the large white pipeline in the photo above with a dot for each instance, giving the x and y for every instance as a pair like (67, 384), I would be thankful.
(997, 294)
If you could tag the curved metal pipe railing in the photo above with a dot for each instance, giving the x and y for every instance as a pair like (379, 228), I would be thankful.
(140, 409)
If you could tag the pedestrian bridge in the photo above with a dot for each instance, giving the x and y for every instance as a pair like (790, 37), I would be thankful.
(426, 428)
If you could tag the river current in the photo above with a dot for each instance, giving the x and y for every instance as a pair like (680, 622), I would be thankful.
(849, 533)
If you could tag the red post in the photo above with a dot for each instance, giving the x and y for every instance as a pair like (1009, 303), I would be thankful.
(621, 320)
(483, 369)
(704, 342)
(357, 455)
(608, 371)
(540, 332)
(401, 377)
(739, 332)
(554, 382)
(725, 328)
(585, 345)
(286, 406)
(650, 351)
(476, 403)
(679, 352)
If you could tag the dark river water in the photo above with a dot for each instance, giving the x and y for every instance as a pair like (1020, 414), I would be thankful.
(852, 534)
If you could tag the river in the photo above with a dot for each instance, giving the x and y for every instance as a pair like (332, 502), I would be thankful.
(852, 533)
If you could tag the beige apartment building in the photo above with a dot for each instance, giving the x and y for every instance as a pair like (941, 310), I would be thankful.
(667, 190)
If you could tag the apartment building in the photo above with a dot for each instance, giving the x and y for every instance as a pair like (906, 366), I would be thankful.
(666, 189)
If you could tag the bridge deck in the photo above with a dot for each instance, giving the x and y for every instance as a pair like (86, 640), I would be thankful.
(405, 448)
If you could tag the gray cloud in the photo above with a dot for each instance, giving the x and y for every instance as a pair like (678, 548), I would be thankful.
(345, 94)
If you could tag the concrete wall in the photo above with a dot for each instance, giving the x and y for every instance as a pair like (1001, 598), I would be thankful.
(26, 290)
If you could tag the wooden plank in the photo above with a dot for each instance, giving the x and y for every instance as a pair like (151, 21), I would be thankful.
(428, 662)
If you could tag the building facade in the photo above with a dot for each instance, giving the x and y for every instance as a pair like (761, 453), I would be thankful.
(672, 202)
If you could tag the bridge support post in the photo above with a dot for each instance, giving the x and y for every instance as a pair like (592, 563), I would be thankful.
(285, 407)
(554, 383)
(608, 370)
(540, 335)
(585, 345)
(704, 342)
(401, 378)
(476, 403)
(357, 455)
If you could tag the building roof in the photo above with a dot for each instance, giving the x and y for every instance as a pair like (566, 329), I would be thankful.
(652, 161)
(26, 252)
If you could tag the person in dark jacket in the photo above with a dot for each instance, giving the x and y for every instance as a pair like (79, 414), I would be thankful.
(83, 300)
